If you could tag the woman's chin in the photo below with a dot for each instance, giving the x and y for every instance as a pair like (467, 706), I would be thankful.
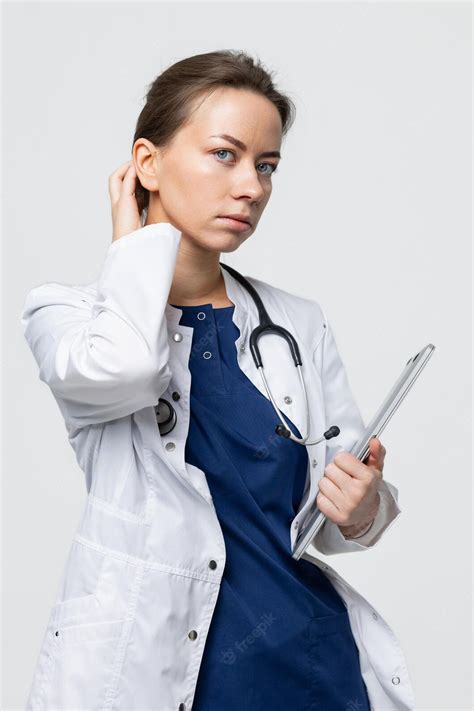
(231, 243)
(220, 240)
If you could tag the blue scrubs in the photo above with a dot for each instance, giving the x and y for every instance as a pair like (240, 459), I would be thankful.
(280, 636)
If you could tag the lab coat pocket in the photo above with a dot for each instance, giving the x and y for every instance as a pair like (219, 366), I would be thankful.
(76, 663)
(81, 663)
(80, 584)
(334, 675)
(87, 630)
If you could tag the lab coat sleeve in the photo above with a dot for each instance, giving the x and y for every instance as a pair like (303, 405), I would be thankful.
(106, 355)
(342, 410)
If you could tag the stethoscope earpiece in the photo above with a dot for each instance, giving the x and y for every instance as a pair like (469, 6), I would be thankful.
(333, 431)
(283, 431)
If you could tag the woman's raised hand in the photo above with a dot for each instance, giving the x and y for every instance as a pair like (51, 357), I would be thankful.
(125, 214)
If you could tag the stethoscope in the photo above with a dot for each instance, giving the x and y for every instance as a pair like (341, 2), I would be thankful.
(166, 414)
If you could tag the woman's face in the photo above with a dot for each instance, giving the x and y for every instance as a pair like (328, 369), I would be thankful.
(199, 177)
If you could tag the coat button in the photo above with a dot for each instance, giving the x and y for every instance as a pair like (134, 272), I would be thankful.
(170, 446)
(177, 337)
(375, 616)
(287, 399)
(193, 634)
(212, 564)
(314, 462)
(182, 707)
(395, 679)
(175, 395)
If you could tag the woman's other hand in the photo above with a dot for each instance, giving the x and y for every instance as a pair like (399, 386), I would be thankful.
(125, 214)
(348, 491)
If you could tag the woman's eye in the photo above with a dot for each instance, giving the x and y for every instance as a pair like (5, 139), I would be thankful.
(272, 165)
(222, 150)
(225, 150)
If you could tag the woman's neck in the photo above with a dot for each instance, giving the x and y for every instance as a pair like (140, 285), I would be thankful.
(198, 279)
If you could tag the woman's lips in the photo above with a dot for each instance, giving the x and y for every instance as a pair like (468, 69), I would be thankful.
(235, 224)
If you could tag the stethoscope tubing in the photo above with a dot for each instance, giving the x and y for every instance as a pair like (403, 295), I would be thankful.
(266, 325)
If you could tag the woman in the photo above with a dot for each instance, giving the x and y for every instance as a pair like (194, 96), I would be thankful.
(180, 590)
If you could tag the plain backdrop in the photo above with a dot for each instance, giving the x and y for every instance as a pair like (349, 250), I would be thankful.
(370, 215)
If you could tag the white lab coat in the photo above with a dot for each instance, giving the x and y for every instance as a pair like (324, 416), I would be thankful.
(145, 564)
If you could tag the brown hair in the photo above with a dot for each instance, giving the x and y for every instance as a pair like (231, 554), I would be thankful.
(170, 97)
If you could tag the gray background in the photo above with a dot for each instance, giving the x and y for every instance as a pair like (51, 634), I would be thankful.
(370, 215)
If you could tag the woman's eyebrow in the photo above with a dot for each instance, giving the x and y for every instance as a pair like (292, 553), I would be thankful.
(243, 147)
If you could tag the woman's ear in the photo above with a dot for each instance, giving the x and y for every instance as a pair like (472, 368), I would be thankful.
(145, 157)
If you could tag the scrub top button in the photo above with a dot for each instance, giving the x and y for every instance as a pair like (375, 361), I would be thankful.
(177, 337)
(170, 446)
(201, 315)
(206, 355)
(395, 679)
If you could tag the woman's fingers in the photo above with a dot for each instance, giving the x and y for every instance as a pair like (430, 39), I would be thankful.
(128, 184)
(124, 207)
(116, 180)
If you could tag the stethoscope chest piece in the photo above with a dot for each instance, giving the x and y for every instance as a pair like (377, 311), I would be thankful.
(166, 417)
